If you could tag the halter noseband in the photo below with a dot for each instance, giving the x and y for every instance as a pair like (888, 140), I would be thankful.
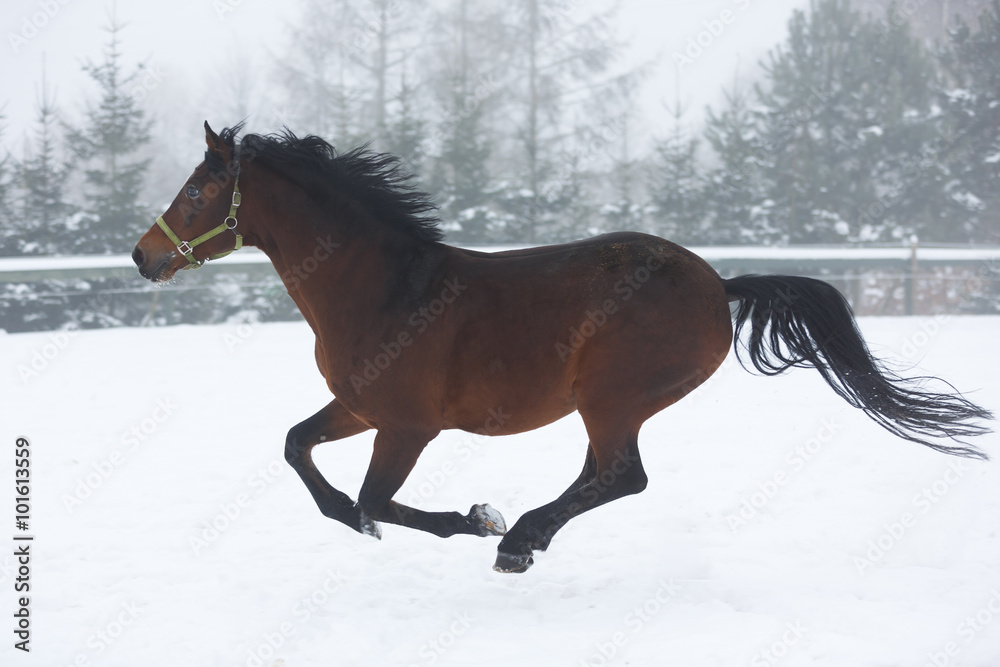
(186, 248)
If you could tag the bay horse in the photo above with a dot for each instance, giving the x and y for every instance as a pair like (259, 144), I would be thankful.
(414, 336)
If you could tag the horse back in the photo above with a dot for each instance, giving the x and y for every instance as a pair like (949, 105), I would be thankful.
(538, 329)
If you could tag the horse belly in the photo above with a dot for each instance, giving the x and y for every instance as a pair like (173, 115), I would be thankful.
(511, 395)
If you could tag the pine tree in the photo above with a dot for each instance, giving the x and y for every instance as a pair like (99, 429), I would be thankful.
(115, 130)
(902, 132)
(461, 174)
(405, 133)
(8, 240)
(567, 206)
(972, 111)
(676, 191)
(461, 141)
(625, 211)
(386, 37)
(559, 64)
(43, 178)
(843, 113)
(319, 75)
(734, 192)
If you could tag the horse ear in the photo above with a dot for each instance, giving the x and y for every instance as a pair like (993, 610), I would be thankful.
(215, 144)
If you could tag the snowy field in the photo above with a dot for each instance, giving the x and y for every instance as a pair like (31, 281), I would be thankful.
(779, 527)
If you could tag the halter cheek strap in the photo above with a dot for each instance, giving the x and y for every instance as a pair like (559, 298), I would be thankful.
(186, 248)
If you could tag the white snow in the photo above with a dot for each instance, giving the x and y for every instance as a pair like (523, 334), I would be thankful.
(868, 551)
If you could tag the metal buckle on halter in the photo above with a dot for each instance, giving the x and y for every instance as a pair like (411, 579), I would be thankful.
(237, 199)
(185, 248)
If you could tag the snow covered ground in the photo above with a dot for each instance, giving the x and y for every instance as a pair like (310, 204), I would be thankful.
(779, 527)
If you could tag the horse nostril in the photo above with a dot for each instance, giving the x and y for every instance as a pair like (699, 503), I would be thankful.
(138, 257)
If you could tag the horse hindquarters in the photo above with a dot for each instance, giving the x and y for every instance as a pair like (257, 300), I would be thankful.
(655, 348)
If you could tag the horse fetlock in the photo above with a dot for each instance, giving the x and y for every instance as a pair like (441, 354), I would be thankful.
(368, 525)
(515, 551)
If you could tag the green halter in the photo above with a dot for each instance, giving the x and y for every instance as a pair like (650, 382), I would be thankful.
(186, 248)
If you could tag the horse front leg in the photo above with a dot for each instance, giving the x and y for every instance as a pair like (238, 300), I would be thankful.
(331, 423)
(393, 458)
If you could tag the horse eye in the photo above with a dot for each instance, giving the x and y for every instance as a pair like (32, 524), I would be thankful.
(191, 191)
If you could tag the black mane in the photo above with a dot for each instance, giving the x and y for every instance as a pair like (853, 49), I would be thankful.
(376, 180)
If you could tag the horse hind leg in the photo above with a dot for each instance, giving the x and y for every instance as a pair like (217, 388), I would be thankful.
(613, 470)
(393, 458)
(588, 473)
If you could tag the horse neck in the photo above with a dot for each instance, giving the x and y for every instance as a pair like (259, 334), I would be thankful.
(336, 276)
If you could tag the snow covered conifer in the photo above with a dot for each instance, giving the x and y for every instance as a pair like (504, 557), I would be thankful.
(42, 178)
(114, 133)
(972, 110)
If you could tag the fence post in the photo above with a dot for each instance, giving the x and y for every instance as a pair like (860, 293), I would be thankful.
(911, 277)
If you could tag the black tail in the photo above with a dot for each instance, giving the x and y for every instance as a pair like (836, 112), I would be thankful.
(806, 322)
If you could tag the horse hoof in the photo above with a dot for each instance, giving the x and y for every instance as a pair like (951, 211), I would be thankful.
(488, 520)
(369, 526)
(512, 563)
